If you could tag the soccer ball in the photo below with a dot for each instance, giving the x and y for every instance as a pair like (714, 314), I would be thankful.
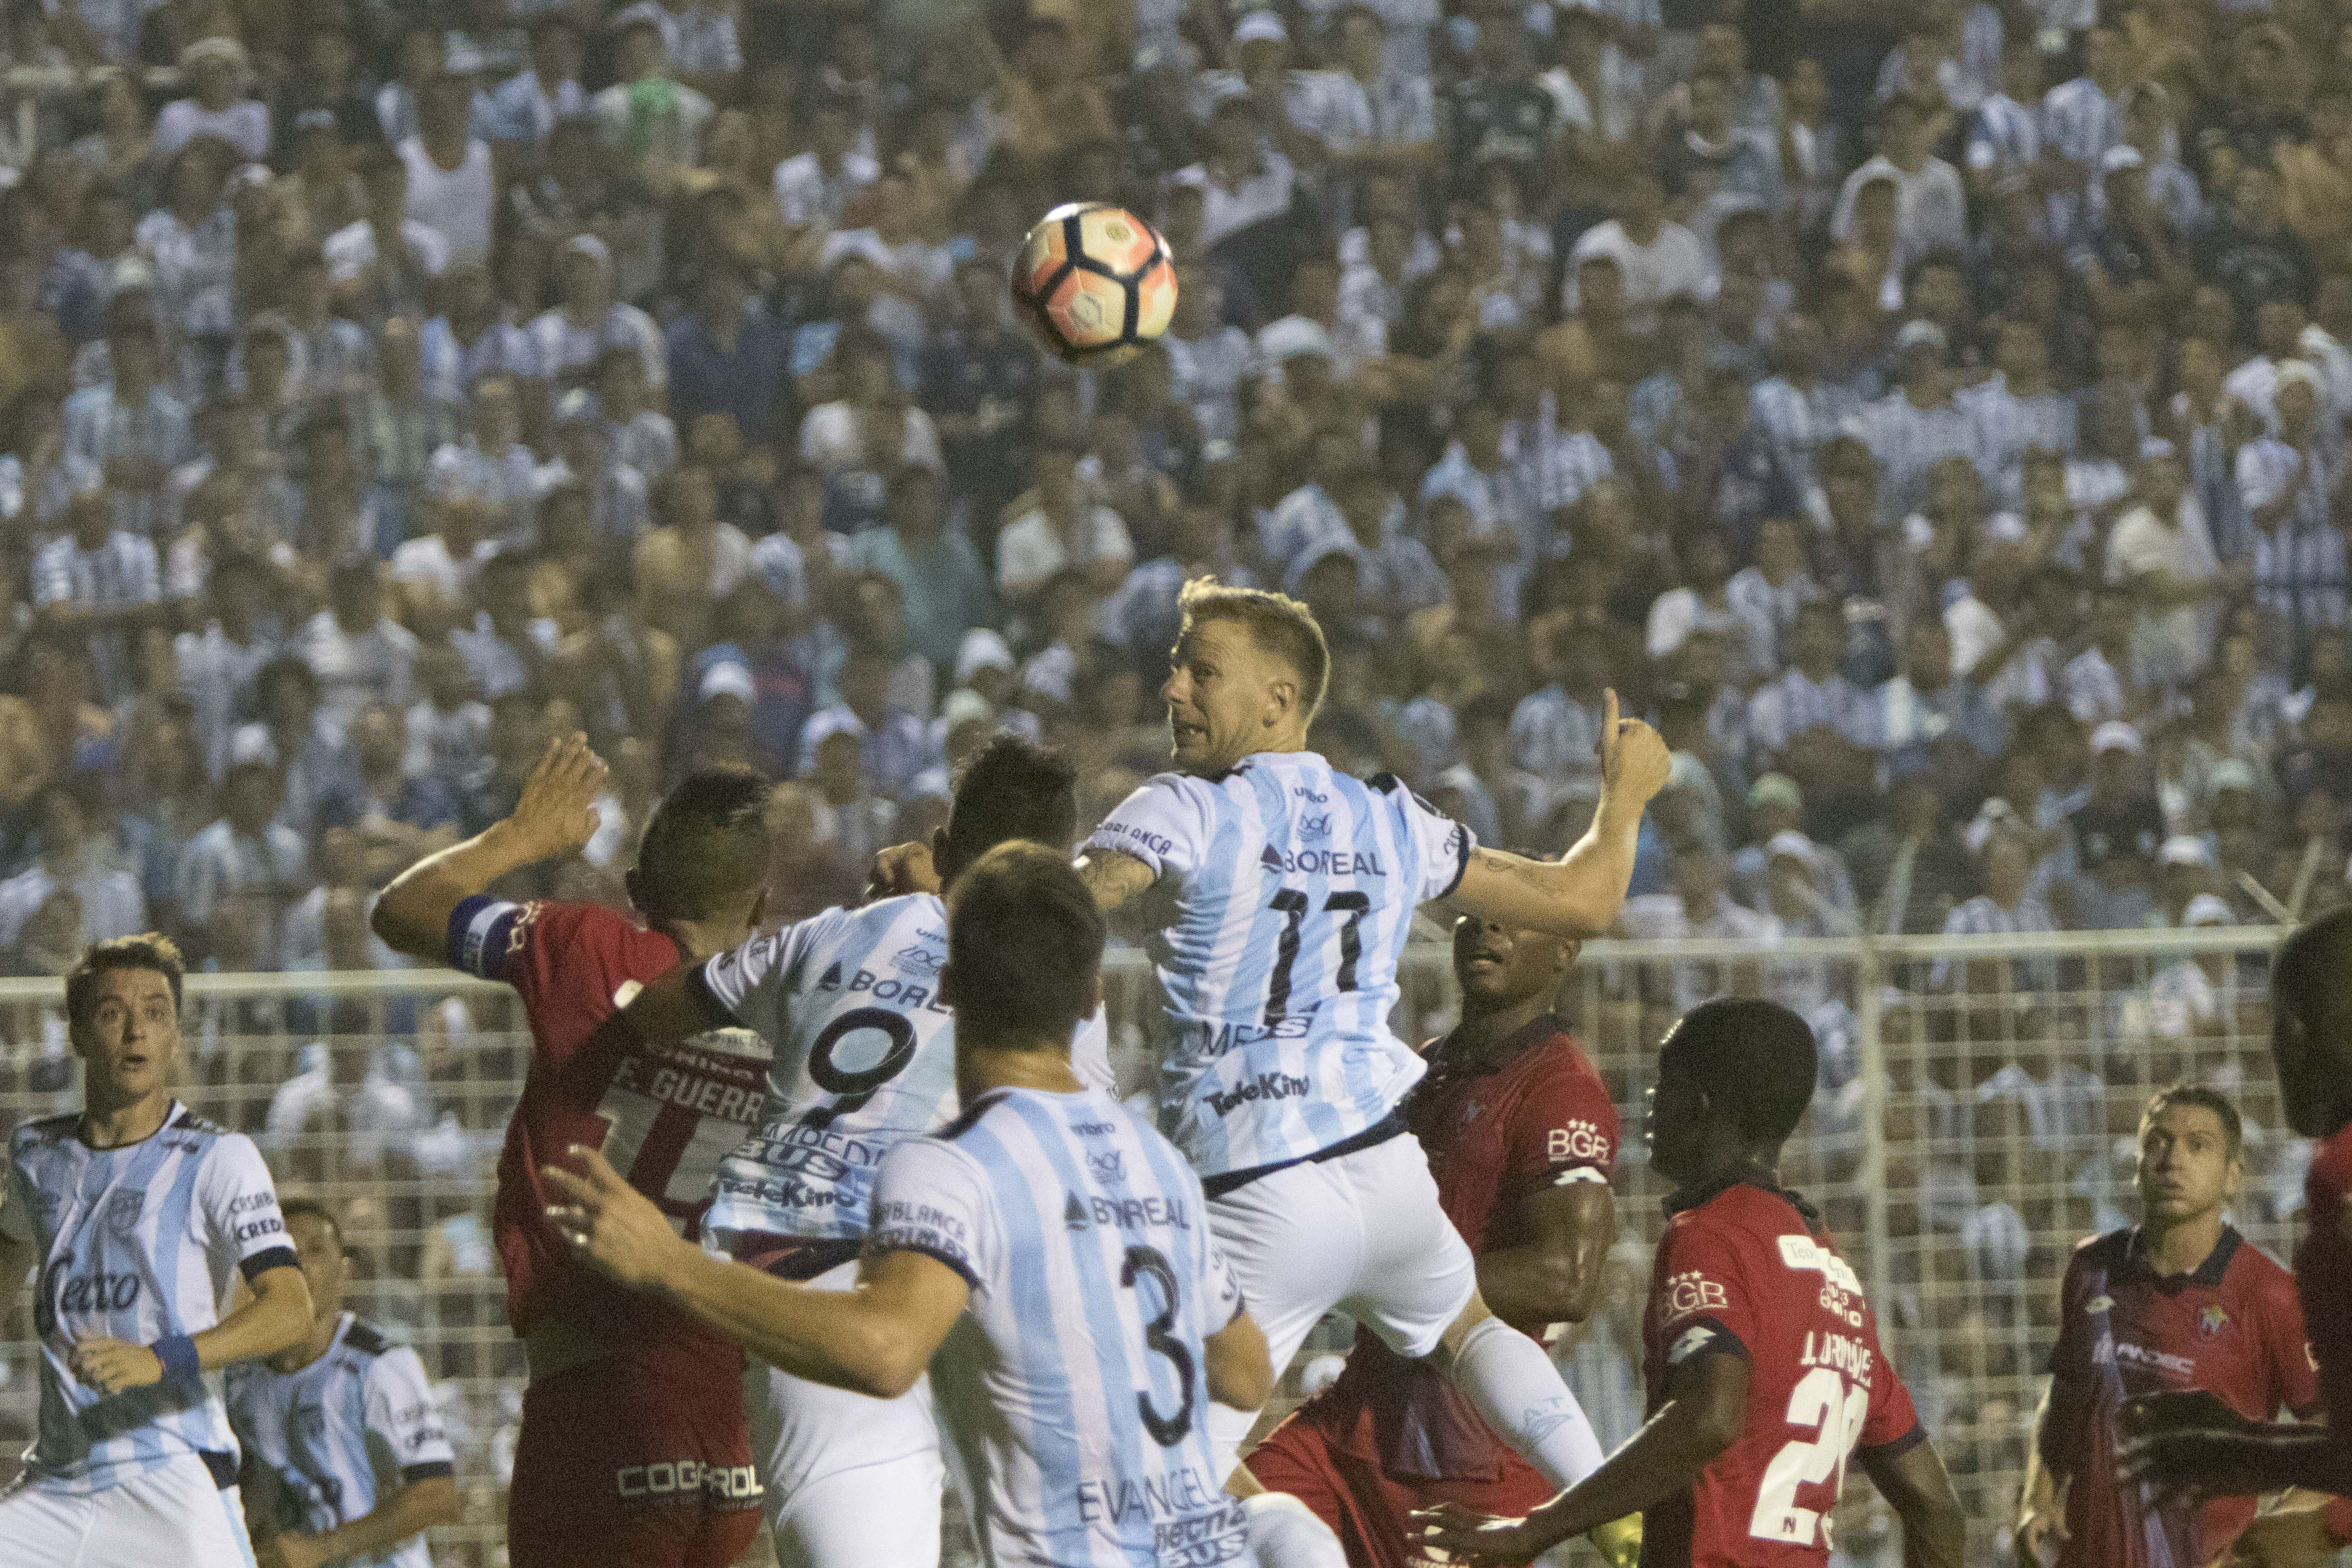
(1094, 281)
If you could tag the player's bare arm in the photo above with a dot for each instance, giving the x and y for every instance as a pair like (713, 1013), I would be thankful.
(556, 814)
(1705, 1412)
(415, 1508)
(277, 1316)
(671, 1008)
(2041, 1500)
(876, 1339)
(1113, 877)
(1240, 1373)
(1912, 1482)
(1580, 893)
(1554, 1276)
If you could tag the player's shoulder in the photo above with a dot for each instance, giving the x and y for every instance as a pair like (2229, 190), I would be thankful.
(2247, 1268)
(204, 1127)
(1557, 1057)
(43, 1131)
(366, 1339)
(2331, 1162)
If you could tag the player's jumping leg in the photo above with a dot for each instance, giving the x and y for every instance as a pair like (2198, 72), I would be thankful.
(1419, 1291)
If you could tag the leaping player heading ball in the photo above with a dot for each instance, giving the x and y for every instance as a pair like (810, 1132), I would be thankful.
(1280, 893)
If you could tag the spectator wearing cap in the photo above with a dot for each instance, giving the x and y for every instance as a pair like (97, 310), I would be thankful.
(1776, 807)
(2286, 486)
(1916, 426)
(570, 337)
(356, 651)
(651, 120)
(216, 72)
(99, 582)
(2117, 832)
(1299, 109)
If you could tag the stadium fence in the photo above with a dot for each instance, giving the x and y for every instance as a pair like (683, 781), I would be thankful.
(1975, 1119)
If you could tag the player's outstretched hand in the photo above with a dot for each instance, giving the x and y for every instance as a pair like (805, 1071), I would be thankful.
(557, 812)
(1476, 1538)
(902, 869)
(1634, 760)
(111, 1366)
(2176, 1441)
(609, 1224)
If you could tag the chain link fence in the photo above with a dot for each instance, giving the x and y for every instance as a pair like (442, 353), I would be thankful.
(1978, 1101)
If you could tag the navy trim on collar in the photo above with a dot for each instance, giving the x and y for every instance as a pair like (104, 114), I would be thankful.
(2208, 1274)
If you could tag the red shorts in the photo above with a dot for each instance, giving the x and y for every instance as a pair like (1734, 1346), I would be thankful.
(1369, 1509)
(632, 1463)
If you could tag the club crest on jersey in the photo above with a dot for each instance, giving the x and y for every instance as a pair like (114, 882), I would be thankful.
(2212, 1321)
(123, 1209)
(1108, 1167)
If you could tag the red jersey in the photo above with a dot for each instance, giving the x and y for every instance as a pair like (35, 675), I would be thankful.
(1746, 1269)
(1542, 1119)
(665, 1115)
(2231, 1327)
(2323, 1271)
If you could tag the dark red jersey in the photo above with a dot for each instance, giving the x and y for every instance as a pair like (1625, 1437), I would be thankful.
(2232, 1327)
(2323, 1272)
(663, 1115)
(1746, 1269)
(1542, 1119)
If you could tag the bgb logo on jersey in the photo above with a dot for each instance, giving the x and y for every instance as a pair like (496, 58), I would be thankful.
(1579, 1140)
(1693, 1292)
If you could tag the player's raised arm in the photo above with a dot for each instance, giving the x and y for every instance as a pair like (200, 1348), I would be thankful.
(876, 1339)
(1706, 1411)
(556, 815)
(1580, 893)
(1912, 1482)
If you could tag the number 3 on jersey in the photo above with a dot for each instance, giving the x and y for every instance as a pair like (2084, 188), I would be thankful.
(1834, 1413)
(1292, 903)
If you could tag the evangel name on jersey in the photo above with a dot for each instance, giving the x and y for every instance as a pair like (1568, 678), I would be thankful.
(337, 1437)
(1294, 889)
(135, 1244)
(861, 1058)
(1072, 1390)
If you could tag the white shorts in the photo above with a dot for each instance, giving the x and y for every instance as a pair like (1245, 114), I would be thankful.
(851, 1481)
(172, 1515)
(1364, 1233)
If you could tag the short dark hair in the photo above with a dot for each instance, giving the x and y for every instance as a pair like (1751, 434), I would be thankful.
(150, 950)
(2233, 1127)
(705, 845)
(2309, 969)
(1276, 623)
(1759, 1047)
(319, 1209)
(1024, 944)
(1011, 789)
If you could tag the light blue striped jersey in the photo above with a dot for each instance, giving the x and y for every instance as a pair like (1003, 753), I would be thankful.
(862, 1056)
(1071, 1391)
(1294, 889)
(340, 1436)
(137, 1244)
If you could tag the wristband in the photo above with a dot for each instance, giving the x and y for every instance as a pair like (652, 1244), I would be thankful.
(178, 1354)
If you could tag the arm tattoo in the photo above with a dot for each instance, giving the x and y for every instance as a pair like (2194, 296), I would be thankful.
(1113, 877)
(1517, 867)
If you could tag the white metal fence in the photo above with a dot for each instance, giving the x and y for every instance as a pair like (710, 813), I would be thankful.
(1978, 1101)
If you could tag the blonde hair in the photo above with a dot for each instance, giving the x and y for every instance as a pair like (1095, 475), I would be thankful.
(1276, 623)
